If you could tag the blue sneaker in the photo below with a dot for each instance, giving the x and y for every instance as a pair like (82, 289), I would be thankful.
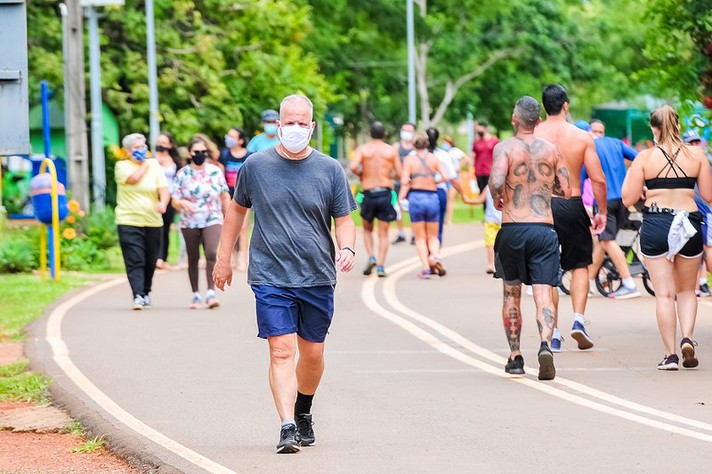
(370, 265)
(579, 334)
(556, 343)
(380, 271)
(624, 293)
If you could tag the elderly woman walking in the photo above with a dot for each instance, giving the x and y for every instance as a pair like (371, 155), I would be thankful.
(142, 197)
(671, 236)
(200, 193)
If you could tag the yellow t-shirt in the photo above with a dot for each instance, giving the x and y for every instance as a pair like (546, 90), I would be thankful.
(136, 203)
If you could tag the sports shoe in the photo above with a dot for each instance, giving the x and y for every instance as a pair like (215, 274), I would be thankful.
(624, 293)
(556, 343)
(579, 334)
(515, 366)
(196, 302)
(412, 240)
(399, 239)
(424, 274)
(370, 265)
(380, 271)
(147, 301)
(669, 362)
(689, 360)
(138, 303)
(211, 301)
(704, 290)
(547, 371)
(436, 268)
(289, 441)
(304, 426)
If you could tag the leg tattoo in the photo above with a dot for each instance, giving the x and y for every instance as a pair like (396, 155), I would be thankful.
(512, 316)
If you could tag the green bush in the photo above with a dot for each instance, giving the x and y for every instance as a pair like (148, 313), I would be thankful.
(16, 256)
(80, 254)
(101, 229)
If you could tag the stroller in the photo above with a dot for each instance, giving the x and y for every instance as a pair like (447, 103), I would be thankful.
(608, 279)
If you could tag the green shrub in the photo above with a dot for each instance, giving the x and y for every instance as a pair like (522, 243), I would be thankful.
(16, 256)
(80, 254)
(101, 229)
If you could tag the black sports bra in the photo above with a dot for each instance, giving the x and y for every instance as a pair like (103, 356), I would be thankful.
(671, 182)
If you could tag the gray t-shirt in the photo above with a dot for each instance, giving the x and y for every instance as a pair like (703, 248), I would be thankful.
(293, 201)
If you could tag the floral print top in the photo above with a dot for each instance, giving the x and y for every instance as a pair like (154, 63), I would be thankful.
(202, 188)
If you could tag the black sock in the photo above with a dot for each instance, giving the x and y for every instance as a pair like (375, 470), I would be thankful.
(303, 404)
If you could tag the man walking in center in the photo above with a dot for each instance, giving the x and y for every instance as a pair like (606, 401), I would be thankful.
(570, 218)
(295, 192)
(612, 153)
(376, 163)
(526, 172)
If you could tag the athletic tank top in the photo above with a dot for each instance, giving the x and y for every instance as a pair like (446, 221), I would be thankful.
(425, 171)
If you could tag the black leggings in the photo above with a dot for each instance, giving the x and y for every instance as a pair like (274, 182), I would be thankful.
(166, 232)
(139, 246)
(209, 237)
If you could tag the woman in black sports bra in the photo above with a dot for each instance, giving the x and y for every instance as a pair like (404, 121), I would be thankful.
(671, 235)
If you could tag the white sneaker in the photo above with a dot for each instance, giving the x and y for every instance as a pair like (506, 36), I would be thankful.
(138, 303)
(624, 293)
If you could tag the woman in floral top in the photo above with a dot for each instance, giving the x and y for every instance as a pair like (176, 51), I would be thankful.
(200, 193)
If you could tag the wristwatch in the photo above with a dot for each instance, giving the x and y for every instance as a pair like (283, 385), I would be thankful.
(350, 250)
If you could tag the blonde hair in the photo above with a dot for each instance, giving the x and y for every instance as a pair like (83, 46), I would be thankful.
(421, 141)
(667, 121)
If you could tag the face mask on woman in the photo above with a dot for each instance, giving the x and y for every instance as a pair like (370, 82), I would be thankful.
(161, 148)
(230, 142)
(294, 137)
(198, 158)
(140, 154)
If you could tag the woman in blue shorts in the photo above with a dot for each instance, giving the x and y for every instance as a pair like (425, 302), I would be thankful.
(419, 187)
(671, 235)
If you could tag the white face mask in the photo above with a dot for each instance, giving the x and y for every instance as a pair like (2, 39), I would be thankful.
(294, 138)
(406, 136)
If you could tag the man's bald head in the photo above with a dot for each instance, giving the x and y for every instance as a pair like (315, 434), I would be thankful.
(296, 102)
(526, 112)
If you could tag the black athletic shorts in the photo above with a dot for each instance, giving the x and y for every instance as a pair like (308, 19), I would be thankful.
(617, 215)
(573, 227)
(527, 253)
(377, 204)
(654, 235)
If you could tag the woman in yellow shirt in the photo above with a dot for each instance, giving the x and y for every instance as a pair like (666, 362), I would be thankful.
(142, 197)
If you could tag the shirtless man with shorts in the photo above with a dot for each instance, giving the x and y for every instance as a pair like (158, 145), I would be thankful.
(570, 218)
(376, 163)
(526, 172)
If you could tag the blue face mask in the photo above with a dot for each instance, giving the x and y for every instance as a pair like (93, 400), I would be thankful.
(140, 154)
(446, 147)
(230, 142)
(271, 128)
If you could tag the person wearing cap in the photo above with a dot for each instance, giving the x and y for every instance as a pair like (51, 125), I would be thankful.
(691, 137)
(269, 138)
(612, 153)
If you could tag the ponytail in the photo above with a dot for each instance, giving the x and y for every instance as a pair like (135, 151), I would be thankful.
(667, 121)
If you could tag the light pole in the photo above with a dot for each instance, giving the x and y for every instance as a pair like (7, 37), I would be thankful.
(411, 61)
(152, 73)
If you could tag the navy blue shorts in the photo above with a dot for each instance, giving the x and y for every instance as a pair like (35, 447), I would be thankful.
(527, 253)
(423, 206)
(305, 311)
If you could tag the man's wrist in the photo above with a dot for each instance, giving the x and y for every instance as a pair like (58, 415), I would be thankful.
(353, 252)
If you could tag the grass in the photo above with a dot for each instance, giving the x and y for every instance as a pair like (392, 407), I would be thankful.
(24, 298)
(13, 369)
(24, 387)
(74, 428)
(90, 445)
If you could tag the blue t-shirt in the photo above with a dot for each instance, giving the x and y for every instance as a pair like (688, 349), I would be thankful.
(262, 142)
(232, 167)
(294, 202)
(612, 153)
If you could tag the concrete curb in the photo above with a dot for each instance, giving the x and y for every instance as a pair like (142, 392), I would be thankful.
(120, 439)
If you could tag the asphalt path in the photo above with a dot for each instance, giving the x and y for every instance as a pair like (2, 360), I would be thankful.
(414, 379)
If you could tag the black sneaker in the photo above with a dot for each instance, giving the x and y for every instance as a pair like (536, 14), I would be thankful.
(669, 362)
(399, 239)
(306, 432)
(689, 361)
(704, 290)
(289, 441)
(547, 371)
(515, 366)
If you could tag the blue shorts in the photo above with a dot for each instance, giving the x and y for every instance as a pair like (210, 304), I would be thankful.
(305, 311)
(423, 206)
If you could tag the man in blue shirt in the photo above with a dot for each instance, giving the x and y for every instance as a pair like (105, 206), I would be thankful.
(613, 152)
(269, 138)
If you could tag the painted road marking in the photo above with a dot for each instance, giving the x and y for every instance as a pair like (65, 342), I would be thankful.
(368, 295)
(61, 357)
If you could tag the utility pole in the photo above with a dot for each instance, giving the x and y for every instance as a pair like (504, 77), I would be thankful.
(411, 61)
(152, 73)
(75, 117)
(97, 137)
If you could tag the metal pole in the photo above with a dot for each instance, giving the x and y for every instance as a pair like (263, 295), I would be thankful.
(411, 62)
(75, 104)
(46, 132)
(470, 132)
(97, 136)
(152, 73)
